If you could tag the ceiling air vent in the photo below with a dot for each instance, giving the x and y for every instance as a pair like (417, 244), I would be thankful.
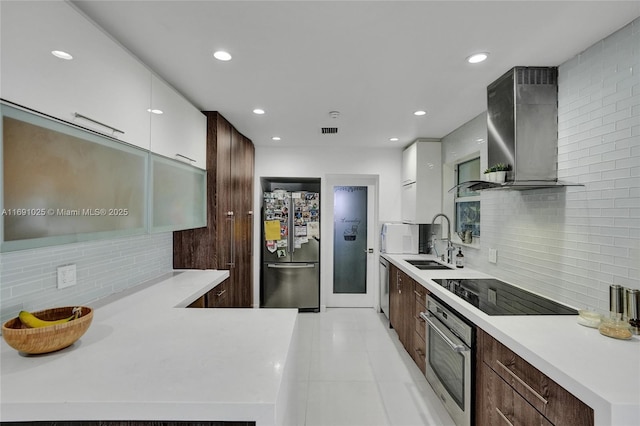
(329, 130)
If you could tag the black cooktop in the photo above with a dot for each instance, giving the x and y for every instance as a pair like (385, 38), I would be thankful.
(494, 297)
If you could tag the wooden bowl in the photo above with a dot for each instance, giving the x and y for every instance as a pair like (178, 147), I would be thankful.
(47, 339)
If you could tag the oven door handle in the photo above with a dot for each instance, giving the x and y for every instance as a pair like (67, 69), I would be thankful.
(451, 343)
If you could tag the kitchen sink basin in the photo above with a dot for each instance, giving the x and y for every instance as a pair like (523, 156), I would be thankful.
(426, 264)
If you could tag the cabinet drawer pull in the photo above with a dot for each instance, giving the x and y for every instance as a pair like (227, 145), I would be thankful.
(191, 160)
(419, 352)
(220, 293)
(503, 417)
(418, 294)
(522, 382)
(84, 117)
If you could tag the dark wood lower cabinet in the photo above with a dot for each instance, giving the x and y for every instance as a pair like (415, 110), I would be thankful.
(509, 390)
(419, 332)
(217, 297)
(502, 405)
(407, 298)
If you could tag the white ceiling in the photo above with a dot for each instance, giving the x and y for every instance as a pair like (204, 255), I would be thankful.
(374, 61)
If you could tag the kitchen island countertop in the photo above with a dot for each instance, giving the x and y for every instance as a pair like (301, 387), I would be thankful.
(147, 357)
(603, 372)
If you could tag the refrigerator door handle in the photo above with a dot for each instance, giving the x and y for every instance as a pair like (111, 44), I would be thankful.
(290, 266)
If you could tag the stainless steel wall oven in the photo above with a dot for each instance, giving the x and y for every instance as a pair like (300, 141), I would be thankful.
(450, 359)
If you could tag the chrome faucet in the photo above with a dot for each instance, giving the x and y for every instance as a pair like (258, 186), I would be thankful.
(450, 248)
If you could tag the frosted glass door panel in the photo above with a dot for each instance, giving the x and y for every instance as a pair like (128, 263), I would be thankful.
(178, 195)
(350, 239)
(62, 184)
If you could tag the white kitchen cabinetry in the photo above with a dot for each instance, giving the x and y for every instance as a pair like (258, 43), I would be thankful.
(102, 82)
(409, 164)
(180, 132)
(421, 181)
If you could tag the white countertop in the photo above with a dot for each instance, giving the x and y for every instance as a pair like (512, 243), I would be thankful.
(602, 372)
(146, 357)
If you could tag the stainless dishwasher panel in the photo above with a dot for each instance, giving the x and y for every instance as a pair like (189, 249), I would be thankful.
(384, 286)
(291, 285)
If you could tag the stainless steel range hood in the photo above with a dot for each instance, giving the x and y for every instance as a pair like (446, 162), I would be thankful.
(522, 129)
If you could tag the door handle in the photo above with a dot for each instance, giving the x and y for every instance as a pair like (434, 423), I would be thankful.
(447, 340)
(290, 266)
(232, 243)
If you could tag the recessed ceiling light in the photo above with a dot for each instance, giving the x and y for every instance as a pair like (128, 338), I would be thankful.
(258, 111)
(477, 57)
(420, 112)
(221, 55)
(62, 55)
(275, 138)
(394, 139)
(155, 111)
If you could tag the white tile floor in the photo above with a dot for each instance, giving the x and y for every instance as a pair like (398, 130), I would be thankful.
(352, 370)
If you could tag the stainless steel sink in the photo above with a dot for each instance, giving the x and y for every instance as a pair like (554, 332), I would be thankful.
(424, 264)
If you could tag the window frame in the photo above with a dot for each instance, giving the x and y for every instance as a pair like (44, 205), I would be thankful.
(469, 197)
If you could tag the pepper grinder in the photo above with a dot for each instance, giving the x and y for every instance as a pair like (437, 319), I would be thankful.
(616, 301)
(615, 326)
(633, 310)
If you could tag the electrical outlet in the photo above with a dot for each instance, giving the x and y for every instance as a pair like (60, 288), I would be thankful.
(66, 276)
(493, 255)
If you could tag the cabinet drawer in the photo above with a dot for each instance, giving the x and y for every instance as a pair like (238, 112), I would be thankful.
(420, 325)
(545, 395)
(421, 296)
(506, 406)
(419, 351)
(217, 297)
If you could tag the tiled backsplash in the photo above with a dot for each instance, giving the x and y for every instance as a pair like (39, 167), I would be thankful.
(571, 244)
(28, 278)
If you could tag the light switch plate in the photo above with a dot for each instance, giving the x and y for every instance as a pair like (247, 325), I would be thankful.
(66, 276)
(493, 255)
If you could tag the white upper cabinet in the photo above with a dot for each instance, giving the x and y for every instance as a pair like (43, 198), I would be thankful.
(103, 82)
(180, 131)
(409, 163)
(421, 181)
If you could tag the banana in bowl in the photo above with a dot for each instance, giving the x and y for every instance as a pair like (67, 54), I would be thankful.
(48, 330)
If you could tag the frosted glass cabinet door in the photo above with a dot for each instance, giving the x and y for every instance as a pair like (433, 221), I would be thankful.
(178, 195)
(62, 184)
(103, 82)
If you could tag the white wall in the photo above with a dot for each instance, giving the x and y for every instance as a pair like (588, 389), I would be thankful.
(571, 244)
(319, 162)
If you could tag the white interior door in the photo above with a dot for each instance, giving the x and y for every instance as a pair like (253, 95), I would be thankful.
(343, 234)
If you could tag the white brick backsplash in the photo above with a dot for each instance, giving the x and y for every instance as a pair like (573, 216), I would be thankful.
(571, 244)
(28, 277)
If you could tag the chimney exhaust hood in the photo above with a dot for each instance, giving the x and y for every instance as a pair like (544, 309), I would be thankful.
(522, 129)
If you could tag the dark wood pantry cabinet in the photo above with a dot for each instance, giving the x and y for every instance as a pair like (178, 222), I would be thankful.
(227, 240)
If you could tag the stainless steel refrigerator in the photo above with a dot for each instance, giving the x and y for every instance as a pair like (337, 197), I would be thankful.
(290, 250)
